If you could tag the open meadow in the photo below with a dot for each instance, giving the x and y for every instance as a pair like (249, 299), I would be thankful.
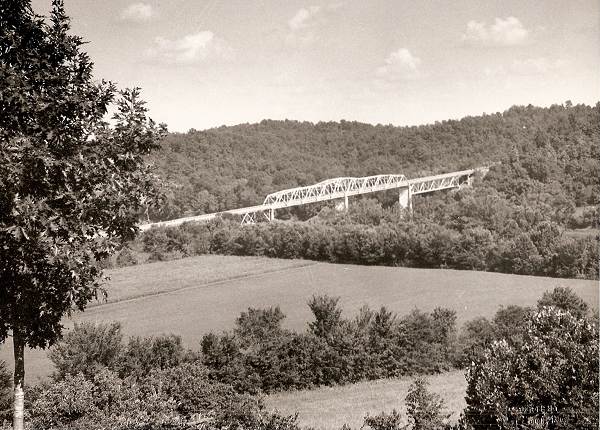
(193, 296)
(329, 408)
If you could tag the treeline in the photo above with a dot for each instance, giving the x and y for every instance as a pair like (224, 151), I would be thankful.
(518, 362)
(259, 355)
(528, 245)
(551, 149)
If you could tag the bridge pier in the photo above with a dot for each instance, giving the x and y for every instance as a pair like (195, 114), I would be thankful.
(346, 202)
(271, 214)
(405, 199)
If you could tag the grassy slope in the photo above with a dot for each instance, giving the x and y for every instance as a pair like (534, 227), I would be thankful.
(160, 277)
(328, 408)
(197, 302)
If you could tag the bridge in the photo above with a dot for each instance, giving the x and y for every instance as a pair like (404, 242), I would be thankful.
(337, 188)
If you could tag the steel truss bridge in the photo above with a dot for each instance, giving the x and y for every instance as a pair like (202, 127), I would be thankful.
(337, 188)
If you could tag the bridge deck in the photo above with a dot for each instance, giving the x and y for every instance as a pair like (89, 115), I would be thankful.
(331, 189)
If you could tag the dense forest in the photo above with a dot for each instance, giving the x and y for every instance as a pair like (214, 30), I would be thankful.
(544, 151)
(522, 217)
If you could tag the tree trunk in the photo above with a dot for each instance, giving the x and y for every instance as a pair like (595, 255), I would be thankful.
(19, 378)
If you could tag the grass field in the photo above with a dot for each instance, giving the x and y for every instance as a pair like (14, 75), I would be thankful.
(193, 296)
(328, 408)
(160, 277)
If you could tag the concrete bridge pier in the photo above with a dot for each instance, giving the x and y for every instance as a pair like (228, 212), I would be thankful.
(405, 199)
(271, 214)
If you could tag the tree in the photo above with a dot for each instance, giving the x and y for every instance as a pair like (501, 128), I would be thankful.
(71, 185)
(86, 349)
(327, 313)
(425, 410)
(564, 298)
(548, 379)
(257, 325)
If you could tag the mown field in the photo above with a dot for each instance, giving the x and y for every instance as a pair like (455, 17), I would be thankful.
(193, 296)
(328, 408)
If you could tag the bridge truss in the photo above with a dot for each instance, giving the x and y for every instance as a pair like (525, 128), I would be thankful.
(337, 188)
(333, 189)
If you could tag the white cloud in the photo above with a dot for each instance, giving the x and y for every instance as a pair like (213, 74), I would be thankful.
(504, 32)
(304, 26)
(191, 49)
(302, 18)
(138, 12)
(399, 65)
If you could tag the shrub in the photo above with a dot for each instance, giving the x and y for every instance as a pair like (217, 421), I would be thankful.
(103, 402)
(474, 337)
(5, 391)
(87, 348)
(327, 315)
(194, 393)
(564, 298)
(182, 397)
(551, 376)
(142, 355)
(259, 355)
(126, 257)
(258, 325)
(383, 421)
(425, 410)
(510, 322)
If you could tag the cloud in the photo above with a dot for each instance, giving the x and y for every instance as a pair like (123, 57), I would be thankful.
(138, 12)
(504, 32)
(304, 18)
(399, 65)
(190, 49)
(304, 25)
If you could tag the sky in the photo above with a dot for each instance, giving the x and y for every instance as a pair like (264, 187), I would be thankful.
(207, 63)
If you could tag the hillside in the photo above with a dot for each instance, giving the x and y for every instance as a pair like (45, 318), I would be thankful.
(554, 148)
(192, 296)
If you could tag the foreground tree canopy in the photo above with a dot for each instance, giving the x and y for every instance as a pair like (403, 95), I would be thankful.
(71, 186)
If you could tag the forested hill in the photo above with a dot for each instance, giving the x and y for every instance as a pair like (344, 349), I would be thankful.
(229, 167)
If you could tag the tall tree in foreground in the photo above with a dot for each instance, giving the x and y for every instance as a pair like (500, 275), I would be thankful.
(71, 186)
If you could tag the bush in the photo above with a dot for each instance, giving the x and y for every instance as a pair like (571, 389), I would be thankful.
(550, 376)
(259, 355)
(564, 298)
(126, 257)
(90, 347)
(5, 391)
(474, 337)
(182, 397)
(384, 421)
(194, 393)
(86, 349)
(141, 355)
(105, 401)
(327, 315)
(425, 410)
(258, 325)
